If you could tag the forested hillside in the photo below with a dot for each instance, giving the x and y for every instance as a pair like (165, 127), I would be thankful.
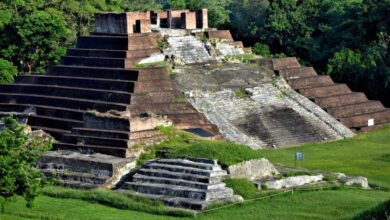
(348, 39)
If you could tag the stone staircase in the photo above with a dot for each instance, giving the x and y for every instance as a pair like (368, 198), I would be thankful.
(185, 183)
(188, 50)
(353, 109)
(97, 77)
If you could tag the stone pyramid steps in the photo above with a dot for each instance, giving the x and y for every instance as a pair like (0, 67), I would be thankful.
(70, 92)
(328, 90)
(111, 53)
(356, 109)
(185, 183)
(94, 72)
(117, 42)
(310, 82)
(108, 150)
(53, 122)
(353, 109)
(84, 171)
(61, 102)
(340, 100)
(99, 61)
(78, 82)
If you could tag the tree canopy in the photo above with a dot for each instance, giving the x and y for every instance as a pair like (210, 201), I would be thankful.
(19, 155)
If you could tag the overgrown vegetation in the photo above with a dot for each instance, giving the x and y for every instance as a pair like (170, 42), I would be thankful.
(152, 65)
(19, 155)
(241, 93)
(115, 200)
(242, 187)
(243, 58)
(182, 144)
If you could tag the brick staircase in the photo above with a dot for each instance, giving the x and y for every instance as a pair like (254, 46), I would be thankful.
(353, 109)
(185, 183)
(98, 76)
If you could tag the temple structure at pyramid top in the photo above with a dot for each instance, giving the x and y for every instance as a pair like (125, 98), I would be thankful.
(144, 22)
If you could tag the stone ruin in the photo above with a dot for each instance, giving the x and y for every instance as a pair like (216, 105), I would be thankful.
(142, 22)
(102, 110)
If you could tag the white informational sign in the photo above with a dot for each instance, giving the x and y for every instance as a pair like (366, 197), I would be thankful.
(371, 122)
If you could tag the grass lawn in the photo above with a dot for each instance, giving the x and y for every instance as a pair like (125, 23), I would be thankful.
(338, 204)
(366, 155)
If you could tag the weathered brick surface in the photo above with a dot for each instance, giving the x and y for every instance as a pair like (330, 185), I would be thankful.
(356, 109)
(220, 35)
(334, 89)
(188, 20)
(308, 82)
(279, 64)
(299, 72)
(153, 86)
(340, 100)
(362, 120)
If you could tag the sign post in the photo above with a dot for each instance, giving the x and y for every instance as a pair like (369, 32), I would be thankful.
(299, 157)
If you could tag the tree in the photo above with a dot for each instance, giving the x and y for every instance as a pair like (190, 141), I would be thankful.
(7, 71)
(177, 4)
(19, 155)
(217, 9)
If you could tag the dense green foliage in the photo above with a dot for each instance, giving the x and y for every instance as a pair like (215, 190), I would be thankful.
(348, 39)
(7, 71)
(19, 155)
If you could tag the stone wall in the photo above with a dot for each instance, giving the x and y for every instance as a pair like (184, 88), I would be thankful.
(253, 169)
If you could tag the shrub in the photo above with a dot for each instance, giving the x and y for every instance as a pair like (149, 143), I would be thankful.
(19, 156)
(7, 71)
(261, 49)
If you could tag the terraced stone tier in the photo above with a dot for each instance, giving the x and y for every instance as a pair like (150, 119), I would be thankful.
(340, 100)
(135, 42)
(80, 82)
(100, 61)
(297, 72)
(85, 170)
(323, 91)
(310, 82)
(356, 109)
(78, 52)
(94, 77)
(351, 108)
(361, 121)
(186, 183)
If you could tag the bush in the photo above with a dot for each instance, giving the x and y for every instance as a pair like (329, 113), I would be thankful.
(261, 49)
(7, 71)
(242, 187)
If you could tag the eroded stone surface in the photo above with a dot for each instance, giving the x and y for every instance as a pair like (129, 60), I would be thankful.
(290, 182)
(252, 169)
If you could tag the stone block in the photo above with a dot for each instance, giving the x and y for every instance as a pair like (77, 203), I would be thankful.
(253, 169)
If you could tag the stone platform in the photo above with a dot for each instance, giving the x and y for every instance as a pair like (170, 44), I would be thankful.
(184, 183)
